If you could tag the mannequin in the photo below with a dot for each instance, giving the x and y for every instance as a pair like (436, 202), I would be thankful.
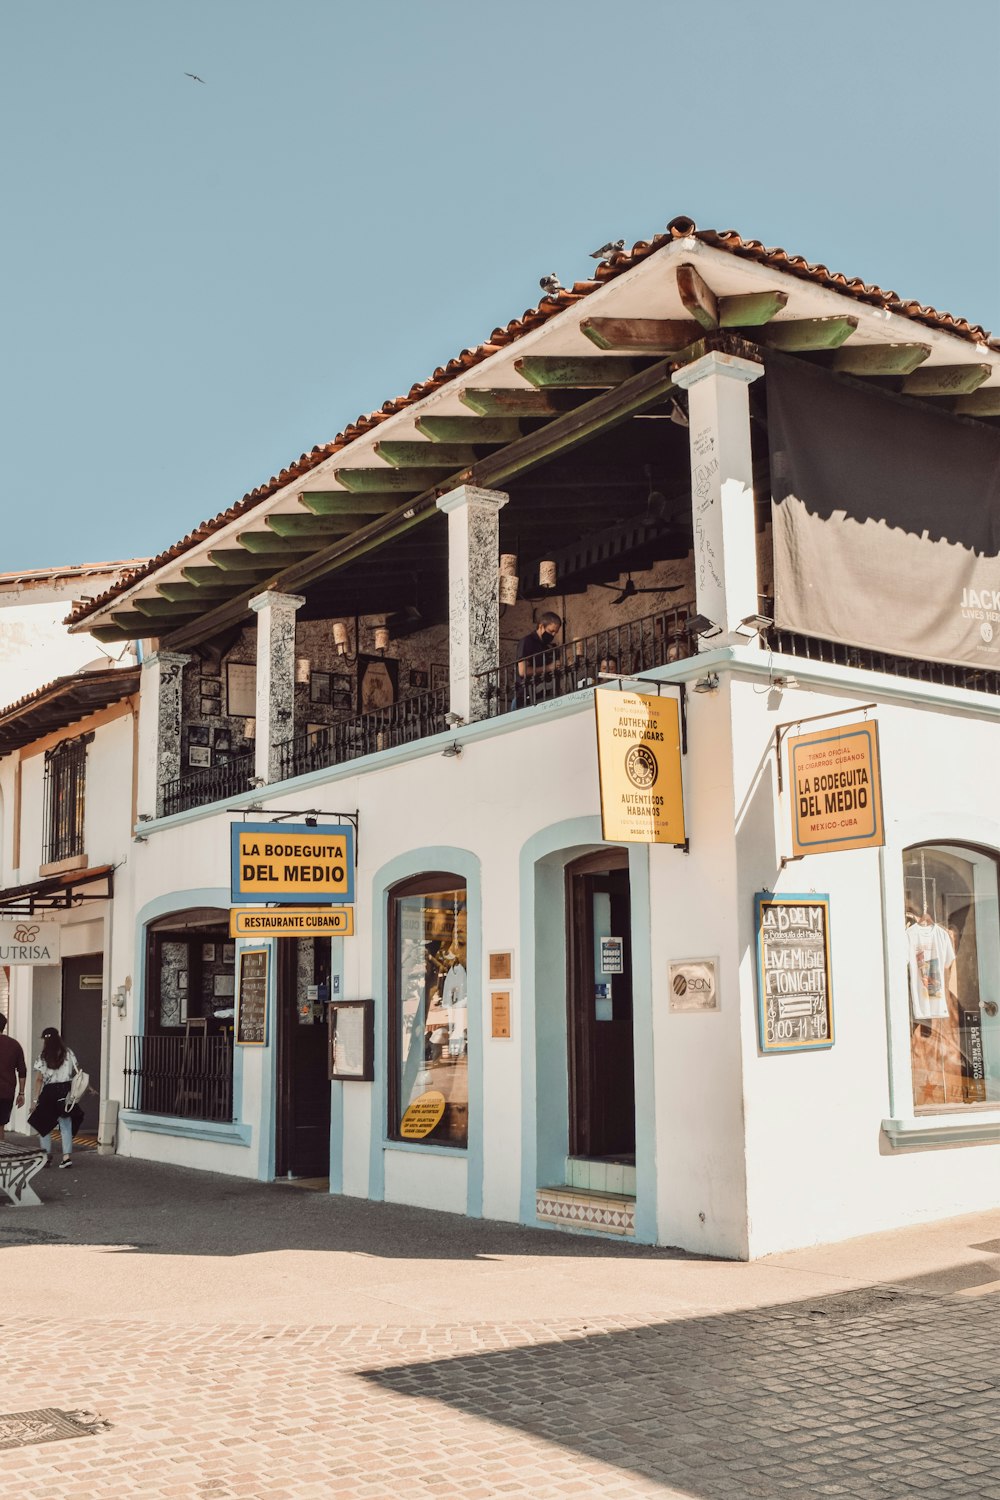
(933, 975)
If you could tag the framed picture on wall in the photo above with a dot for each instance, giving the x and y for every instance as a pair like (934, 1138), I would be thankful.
(378, 683)
(198, 734)
(241, 689)
(319, 687)
(199, 755)
(210, 706)
(211, 687)
(419, 677)
(439, 675)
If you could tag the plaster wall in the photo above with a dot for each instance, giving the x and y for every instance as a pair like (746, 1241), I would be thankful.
(107, 804)
(35, 646)
(819, 1165)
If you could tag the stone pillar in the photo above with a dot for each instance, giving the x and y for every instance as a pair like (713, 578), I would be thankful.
(473, 594)
(160, 715)
(275, 678)
(725, 543)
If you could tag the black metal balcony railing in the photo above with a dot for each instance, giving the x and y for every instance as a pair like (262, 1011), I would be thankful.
(186, 1076)
(629, 648)
(413, 718)
(838, 653)
(210, 784)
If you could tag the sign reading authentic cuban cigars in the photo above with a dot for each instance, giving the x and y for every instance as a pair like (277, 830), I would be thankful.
(292, 863)
(639, 762)
(836, 789)
(324, 921)
(25, 941)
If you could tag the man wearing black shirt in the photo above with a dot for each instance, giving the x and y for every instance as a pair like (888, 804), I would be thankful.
(536, 661)
(12, 1071)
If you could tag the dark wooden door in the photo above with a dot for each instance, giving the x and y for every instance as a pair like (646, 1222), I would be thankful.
(82, 1009)
(602, 1065)
(302, 1144)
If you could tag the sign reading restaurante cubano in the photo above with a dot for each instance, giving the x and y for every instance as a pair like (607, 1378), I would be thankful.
(836, 789)
(25, 941)
(292, 863)
(639, 761)
(271, 921)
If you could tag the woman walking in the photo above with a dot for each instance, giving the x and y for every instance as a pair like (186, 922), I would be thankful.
(53, 1071)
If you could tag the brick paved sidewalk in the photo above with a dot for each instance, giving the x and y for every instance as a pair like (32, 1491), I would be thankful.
(879, 1393)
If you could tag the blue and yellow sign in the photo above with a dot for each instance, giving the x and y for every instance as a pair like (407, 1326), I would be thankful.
(292, 863)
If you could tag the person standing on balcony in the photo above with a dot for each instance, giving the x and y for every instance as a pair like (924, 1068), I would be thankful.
(54, 1068)
(13, 1075)
(536, 662)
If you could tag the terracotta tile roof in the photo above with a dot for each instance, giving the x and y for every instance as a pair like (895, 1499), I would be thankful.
(532, 318)
(62, 702)
(72, 570)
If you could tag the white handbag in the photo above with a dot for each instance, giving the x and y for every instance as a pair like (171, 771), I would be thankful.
(78, 1086)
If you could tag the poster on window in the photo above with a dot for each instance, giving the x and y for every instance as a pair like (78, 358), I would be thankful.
(794, 993)
(886, 519)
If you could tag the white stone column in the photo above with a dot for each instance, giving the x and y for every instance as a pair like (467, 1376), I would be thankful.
(725, 543)
(275, 678)
(473, 594)
(160, 714)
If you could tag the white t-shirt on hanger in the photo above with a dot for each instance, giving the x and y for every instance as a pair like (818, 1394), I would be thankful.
(931, 956)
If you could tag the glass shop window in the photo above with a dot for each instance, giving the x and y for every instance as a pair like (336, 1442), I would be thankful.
(429, 1030)
(953, 971)
(191, 972)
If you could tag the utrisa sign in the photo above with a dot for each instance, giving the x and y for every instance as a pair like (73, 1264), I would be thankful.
(25, 941)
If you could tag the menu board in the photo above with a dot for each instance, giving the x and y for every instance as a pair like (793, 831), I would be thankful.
(352, 1040)
(794, 994)
(251, 998)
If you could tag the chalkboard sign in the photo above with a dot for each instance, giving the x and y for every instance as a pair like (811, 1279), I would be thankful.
(794, 994)
(251, 998)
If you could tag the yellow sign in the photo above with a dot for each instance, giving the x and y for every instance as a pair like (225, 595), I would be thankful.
(324, 921)
(293, 863)
(836, 789)
(422, 1116)
(639, 761)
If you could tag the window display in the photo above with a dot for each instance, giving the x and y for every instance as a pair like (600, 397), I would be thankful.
(428, 961)
(953, 972)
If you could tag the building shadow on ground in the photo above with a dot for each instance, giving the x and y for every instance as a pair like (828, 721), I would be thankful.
(883, 1393)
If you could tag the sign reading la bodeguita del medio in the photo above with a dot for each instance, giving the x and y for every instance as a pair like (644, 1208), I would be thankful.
(292, 863)
(836, 785)
(639, 763)
(25, 941)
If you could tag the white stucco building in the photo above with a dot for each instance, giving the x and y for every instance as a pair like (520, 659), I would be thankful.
(342, 648)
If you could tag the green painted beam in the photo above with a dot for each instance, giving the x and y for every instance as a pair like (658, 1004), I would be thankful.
(750, 309)
(447, 456)
(186, 593)
(879, 359)
(654, 336)
(238, 560)
(798, 335)
(266, 542)
(342, 503)
(487, 432)
(946, 380)
(383, 481)
(698, 297)
(310, 528)
(980, 403)
(518, 403)
(212, 576)
(567, 373)
(132, 624)
(163, 609)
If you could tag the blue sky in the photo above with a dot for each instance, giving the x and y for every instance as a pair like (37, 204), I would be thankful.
(203, 280)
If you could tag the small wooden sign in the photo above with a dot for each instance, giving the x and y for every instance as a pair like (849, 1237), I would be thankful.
(251, 998)
(274, 921)
(500, 1003)
(502, 965)
(836, 789)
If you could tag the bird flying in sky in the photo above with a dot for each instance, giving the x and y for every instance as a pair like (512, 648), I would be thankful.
(195, 77)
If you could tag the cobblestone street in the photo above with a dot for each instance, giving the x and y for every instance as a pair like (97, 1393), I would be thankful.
(805, 1378)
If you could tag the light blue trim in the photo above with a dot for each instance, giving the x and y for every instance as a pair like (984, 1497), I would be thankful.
(544, 1040)
(163, 906)
(941, 1130)
(336, 1086)
(191, 1130)
(405, 867)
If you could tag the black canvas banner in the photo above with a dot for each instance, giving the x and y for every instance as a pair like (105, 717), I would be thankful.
(886, 519)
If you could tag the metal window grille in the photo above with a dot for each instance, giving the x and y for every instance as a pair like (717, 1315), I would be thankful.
(65, 782)
(186, 1076)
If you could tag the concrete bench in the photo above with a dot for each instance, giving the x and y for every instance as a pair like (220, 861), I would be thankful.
(18, 1165)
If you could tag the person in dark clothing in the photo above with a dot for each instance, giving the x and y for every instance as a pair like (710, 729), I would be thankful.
(536, 661)
(13, 1073)
(54, 1070)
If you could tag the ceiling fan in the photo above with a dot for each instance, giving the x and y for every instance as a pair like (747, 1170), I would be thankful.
(629, 589)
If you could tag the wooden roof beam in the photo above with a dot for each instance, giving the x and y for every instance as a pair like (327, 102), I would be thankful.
(980, 403)
(658, 337)
(344, 503)
(184, 593)
(569, 373)
(799, 335)
(946, 380)
(519, 403)
(270, 544)
(750, 309)
(383, 481)
(879, 359)
(698, 297)
(484, 431)
(427, 455)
